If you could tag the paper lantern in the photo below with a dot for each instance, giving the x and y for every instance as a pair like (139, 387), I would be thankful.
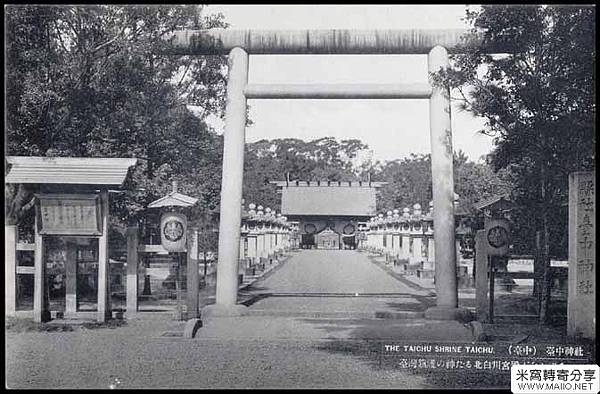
(497, 235)
(173, 229)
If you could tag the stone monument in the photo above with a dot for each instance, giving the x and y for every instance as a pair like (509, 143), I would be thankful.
(581, 306)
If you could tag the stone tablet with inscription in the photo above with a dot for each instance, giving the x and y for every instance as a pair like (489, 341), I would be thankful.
(582, 255)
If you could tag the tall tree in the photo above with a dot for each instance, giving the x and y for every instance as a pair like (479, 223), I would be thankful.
(538, 101)
(409, 182)
(323, 159)
(90, 81)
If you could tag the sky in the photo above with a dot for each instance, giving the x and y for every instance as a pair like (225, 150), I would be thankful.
(393, 129)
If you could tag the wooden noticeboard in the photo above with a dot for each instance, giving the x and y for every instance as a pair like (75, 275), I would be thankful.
(69, 214)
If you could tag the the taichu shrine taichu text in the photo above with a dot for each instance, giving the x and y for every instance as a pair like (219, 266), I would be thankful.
(240, 44)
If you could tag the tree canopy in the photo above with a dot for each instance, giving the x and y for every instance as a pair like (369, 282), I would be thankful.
(323, 159)
(89, 81)
(409, 182)
(538, 101)
(539, 104)
(326, 159)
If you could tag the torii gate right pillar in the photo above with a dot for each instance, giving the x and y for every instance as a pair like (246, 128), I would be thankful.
(443, 196)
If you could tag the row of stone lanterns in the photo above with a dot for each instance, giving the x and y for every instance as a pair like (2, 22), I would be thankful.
(265, 236)
(406, 236)
(402, 236)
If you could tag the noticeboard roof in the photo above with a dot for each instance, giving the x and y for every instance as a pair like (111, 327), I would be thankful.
(496, 203)
(68, 170)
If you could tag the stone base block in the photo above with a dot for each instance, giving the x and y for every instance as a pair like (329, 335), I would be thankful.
(465, 282)
(79, 315)
(478, 331)
(399, 315)
(218, 310)
(179, 314)
(191, 328)
(425, 274)
(506, 284)
(448, 313)
(56, 315)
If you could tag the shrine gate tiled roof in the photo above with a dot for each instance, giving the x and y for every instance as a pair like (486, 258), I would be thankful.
(328, 198)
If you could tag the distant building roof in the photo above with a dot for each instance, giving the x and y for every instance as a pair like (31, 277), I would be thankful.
(328, 198)
(68, 170)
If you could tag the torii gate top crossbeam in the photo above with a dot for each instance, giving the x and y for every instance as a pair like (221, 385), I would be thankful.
(263, 42)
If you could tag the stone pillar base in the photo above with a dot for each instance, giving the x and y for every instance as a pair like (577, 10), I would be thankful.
(449, 313)
(218, 310)
(179, 314)
(46, 317)
(191, 328)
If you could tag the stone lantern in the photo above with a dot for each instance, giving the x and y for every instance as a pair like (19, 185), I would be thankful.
(405, 233)
(270, 228)
(416, 235)
(368, 236)
(380, 231)
(395, 225)
(260, 227)
(251, 219)
(387, 237)
(251, 223)
(429, 240)
(396, 216)
(244, 231)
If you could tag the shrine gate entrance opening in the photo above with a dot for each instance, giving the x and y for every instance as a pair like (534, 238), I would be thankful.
(240, 44)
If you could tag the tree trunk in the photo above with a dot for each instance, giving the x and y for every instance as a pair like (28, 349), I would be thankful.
(545, 256)
(14, 203)
(538, 268)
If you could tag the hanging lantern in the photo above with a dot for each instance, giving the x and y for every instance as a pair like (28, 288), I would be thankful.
(173, 229)
(497, 234)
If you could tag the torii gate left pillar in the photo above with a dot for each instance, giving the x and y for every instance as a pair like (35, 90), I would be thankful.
(231, 189)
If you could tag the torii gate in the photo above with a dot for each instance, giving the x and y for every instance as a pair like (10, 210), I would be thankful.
(239, 44)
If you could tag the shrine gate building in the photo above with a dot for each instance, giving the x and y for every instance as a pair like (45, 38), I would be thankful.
(328, 213)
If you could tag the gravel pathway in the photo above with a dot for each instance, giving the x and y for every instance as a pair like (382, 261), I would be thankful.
(139, 357)
(343, 281)
(247, 352)
(331, 271)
